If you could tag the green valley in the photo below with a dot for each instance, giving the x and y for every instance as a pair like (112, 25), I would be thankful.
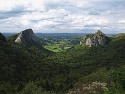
(58, 64)
(59, 42)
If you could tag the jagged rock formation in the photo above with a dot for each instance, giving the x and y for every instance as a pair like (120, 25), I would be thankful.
(2, 38)
(98, 38)
(27, 36)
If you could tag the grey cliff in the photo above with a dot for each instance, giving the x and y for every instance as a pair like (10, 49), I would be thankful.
(98, 38)
(27, 36)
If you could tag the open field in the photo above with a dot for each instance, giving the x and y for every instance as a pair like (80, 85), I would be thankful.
(53, 48)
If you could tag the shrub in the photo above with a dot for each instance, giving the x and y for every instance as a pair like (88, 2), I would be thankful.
(93, 88)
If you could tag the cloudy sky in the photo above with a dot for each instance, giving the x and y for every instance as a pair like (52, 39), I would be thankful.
(62, 16)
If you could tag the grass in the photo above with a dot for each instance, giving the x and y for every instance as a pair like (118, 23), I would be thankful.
(59, 46)
(54, 48)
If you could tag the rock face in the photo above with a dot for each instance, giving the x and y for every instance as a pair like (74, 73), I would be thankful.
(98, 38)
(27, 36)
(2, 38)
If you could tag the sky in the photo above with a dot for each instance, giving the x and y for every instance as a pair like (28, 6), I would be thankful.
(62, 16)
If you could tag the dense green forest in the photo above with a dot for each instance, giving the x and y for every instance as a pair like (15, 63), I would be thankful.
(33, 69)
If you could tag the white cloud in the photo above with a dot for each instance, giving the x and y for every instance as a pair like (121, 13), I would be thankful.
(7, 5)
(63, 15)
(121, 21)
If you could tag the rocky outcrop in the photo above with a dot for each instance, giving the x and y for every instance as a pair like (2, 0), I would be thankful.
(27, 36)
(98, 38)
(2, 38)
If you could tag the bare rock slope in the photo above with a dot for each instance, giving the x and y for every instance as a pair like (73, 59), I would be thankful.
(98, 38)
(27, 36)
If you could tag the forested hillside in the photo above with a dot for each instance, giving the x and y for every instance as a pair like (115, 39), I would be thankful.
(28, 69)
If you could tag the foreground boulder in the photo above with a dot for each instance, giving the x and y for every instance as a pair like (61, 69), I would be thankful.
(98, 38)
(27, 36)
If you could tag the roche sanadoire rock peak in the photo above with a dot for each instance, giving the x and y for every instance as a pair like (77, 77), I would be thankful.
(98, 38)
(27, 36)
